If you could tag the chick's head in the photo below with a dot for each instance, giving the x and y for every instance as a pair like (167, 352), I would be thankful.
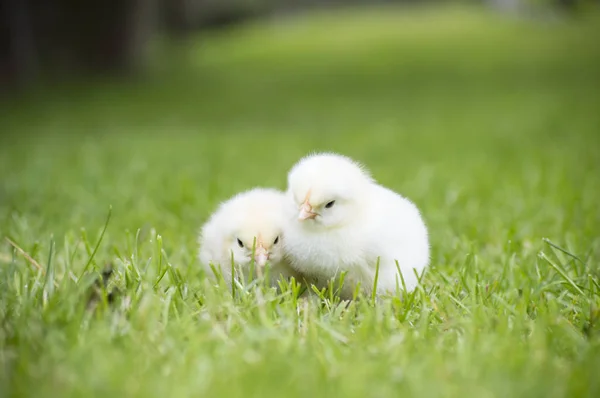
(250, 221)
(328, 190)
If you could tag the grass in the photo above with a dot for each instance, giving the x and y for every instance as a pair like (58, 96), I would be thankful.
(489, 124)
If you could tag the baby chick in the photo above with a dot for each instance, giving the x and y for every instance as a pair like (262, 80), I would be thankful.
(342, 220)
(257, 214)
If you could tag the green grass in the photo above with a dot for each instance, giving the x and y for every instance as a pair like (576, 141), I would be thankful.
(490, 125)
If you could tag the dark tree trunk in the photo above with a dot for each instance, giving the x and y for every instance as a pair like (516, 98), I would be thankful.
(177, 15)
(18, 62)
(73, 36)
(108, 35)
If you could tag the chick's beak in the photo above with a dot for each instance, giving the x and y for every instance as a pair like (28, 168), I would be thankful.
(261, 256)
(306, 212)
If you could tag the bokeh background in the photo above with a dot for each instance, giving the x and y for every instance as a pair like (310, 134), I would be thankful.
(64, 37)
(164, 108)
(167, 107)
(485, 113)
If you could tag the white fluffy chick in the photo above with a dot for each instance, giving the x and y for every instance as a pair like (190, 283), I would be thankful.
(342, 220)
(252, 217)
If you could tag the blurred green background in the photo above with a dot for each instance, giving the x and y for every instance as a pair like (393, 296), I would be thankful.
(486, 115)
(447, 104)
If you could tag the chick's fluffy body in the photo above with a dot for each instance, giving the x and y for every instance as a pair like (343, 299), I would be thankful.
(364, 222)
(255, 217)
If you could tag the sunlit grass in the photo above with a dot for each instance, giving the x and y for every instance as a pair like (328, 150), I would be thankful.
(489, 125)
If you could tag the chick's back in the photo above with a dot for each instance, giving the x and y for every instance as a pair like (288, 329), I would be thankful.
(395, 232)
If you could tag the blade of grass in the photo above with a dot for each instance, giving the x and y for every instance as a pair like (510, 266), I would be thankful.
(565, 251)
(97, 243)
(562, 273)
(376, 279)
(49, 270)
(233, 287)
(25, 255)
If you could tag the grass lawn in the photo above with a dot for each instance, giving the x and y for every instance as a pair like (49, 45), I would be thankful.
(490, 125)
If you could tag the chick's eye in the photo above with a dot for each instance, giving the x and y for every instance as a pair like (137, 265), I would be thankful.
(240, 244)
(330, 204)
(276, 240)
